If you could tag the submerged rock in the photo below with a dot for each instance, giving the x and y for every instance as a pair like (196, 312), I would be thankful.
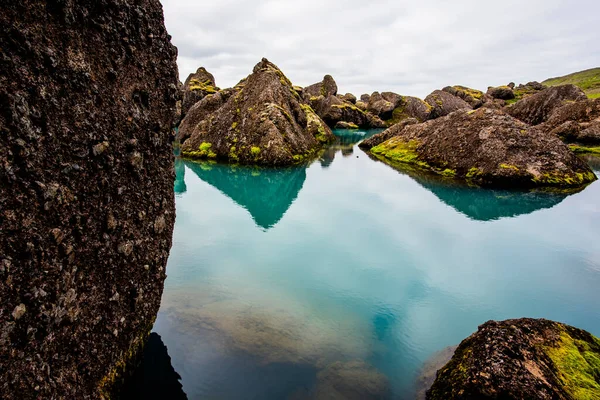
(196, 87)
(265, 122)
(352, 380)
(488, 148)
(88, 95)
(522, 359)
(576, 122)
(443, 103)
(538, 107)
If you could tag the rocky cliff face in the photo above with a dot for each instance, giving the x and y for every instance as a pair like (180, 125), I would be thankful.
(87, 96)
(522, 359)
(264, 122)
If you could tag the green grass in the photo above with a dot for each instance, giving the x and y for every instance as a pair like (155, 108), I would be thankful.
(588, 81)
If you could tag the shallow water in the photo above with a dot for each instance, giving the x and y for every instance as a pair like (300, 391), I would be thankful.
(287, 283)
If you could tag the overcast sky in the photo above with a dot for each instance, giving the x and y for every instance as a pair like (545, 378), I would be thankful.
(408, 47)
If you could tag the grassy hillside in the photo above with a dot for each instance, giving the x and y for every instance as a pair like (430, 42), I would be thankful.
(588, 81)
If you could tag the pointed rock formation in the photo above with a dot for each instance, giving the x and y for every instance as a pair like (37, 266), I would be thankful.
(264, 122)
(197, 86)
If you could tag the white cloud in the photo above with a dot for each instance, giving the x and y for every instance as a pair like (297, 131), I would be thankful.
(407, 47)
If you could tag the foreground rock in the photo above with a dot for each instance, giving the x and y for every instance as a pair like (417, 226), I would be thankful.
(522, 359)
(488, 148)
(576, 122)
(538, 107)
(264, 122)
(443, 103)
(197, 86)
(86, 193)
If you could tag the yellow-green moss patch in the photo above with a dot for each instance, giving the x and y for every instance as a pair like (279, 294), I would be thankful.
(585, 149)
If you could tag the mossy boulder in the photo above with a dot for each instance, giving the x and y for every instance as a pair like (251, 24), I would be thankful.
(522, 359)
(264, 113)
(196, 87)
(443, 103)
(201, 112)
(501, 92)
(327, 87)
(537, 108)
(349, 97)
(409, 108)
(472, 96)
(526, 90)
(345, 125)
(383, 106)
(486, 147)
(389, 133)
(576, 122)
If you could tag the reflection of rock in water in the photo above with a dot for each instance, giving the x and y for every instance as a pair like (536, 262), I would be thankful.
(155, 377)
(353, 380)
(345, 139)
(266, 193)
(180, 186)
(483, 204)
(429, 370)
(593, 162)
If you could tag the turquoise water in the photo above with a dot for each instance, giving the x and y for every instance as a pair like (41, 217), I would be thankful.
(276, 275)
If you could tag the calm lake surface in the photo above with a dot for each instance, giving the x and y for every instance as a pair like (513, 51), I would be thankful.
(284, 282)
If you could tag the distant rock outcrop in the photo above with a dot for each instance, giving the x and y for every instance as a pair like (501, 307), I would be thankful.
(443, 103)
(488, 148)
(387, 134)
(576, 122)
(88, 92)
(265, 122)
(536, 108)
(501, 92)
(472, 96)
(523, 358)
(196, 87)
(327, 87)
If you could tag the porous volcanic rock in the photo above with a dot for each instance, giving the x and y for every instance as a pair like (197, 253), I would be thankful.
(349, 97)
(265, 123)
(196, 87)
(383, 106)
(87, 94)
(523, 358)
(202, 110)
(536, 108)
(410, 108)
(332, 110)
(443, 103)
(327, 87)
(387, 134)
(576, 122)
(501, 92)
(486, 147)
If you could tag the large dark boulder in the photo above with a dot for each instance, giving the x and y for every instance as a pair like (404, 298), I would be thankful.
(443, 103)
(501, 92)
(576, 122)
(332, 110)
(523, 358)
(488, 148)
(383, 106)
(349, 97)
(409, 108)
(472, 96)
(536, 108)
(87, 99)
(195, 88)
(201, 111)
(327, 87)
(265, 123)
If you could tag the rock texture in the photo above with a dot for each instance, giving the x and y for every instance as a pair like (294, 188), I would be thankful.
(501, 92)
(536, 108)
(200, 111)
(522, 359)
(195, 88)
(472, 96)
(387, 134)
(486, 147)
(443, 103)
(327, 87)
(265, 122)
(87, 94)
(576, 122)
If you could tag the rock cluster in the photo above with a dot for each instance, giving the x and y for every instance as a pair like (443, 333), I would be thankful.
(88, 92)
(522, 359)
(263, 121)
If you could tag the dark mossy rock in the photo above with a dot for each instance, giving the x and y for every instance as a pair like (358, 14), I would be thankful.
(365, 97)
(443, 103)
(577, 122)
(538, 107)
(501, 92)
(522, 359)
(526, 90)
(381, 106)
(88, 93)
(349, 97)
(200, 112)
(472, 96)
(409, 108)
(389, 133)
(196, 87)
(327, 87)
(332, 110)
(264, 122)
(486, 147)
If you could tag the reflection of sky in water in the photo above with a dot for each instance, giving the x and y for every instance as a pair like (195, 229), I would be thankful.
(276, 275)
